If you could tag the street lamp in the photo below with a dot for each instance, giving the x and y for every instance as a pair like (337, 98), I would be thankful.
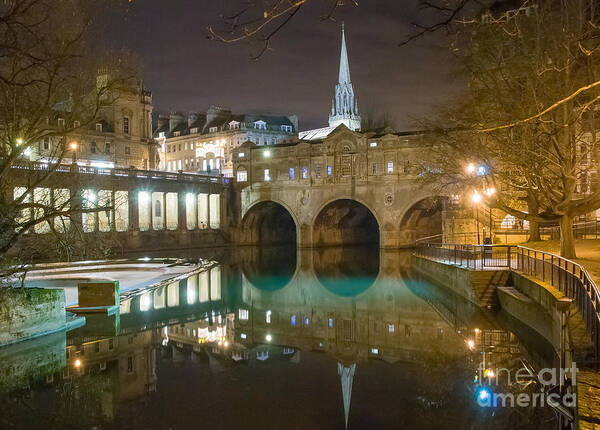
(476, 198)
(470, 168)
(73, 146)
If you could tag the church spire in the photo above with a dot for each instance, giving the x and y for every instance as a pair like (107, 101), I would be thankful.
(345, 109)
(344, 67)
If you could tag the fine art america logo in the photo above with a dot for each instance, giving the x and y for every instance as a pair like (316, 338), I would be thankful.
(489, 393)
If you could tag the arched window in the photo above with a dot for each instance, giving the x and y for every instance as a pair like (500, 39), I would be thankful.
(346, 161)
(242, 174)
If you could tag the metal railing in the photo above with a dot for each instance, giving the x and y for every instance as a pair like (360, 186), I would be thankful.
(115, 171)
(569, 277)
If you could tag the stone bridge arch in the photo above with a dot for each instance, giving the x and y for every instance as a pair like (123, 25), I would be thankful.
(345, 220)
(268, 222)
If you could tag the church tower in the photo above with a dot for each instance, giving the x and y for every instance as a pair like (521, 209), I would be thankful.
(344, 107)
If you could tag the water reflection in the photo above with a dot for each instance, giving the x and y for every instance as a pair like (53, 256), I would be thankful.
(336, 338)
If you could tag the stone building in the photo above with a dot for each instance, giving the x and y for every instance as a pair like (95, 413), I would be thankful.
(120, 137)
(202, 142)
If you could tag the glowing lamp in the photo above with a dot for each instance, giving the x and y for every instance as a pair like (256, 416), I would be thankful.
(470, 168)
(476, 197)
(268, 338)
(73, 146)
(19, 141)
(77, 363)
(483, 396)
(490, 192)
(471, 344)
(267, 153)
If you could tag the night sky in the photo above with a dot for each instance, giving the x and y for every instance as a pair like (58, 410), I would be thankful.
(186, 71)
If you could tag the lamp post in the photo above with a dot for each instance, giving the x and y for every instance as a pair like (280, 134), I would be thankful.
(73, 146)
(476, 198)
(490, 192)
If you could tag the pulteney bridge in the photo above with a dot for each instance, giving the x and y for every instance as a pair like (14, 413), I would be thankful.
(348, 188)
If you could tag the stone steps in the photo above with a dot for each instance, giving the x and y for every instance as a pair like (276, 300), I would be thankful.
(485, 282)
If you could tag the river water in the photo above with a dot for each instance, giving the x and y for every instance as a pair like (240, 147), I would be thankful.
(278, 338)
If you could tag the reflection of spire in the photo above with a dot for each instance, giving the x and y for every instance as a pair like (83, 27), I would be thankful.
(347, 375)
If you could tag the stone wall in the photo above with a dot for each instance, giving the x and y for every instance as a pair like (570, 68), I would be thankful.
(30, 312)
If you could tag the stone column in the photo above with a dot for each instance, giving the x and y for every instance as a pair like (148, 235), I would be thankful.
(164, 211)
(181, 212)
(134, 212)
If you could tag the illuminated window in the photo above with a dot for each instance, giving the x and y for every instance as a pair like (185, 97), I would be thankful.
(243, 314)
(304, 172)
(391, 328)
(330, 322)
(268, 317)
(390, 167)
(291, 173)
(293, 320)
(329, 170)
(374, 351)
(306, 321)
(241, 155)
(243, 335)
(267, 175)
(287, 128)
(346, 161)
(373, 144)
(242, 175)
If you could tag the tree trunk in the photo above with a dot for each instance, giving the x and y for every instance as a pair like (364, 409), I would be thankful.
(567, 242)
(534, 231)
(534, 226)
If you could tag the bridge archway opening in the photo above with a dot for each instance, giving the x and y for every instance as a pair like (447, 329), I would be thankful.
(424, 218)
(268, 223)
(345, 222)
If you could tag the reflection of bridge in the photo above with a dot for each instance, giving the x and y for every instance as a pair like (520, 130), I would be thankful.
(349, 188)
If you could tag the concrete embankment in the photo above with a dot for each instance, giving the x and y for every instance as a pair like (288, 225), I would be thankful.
(534, 303)
(30, 312)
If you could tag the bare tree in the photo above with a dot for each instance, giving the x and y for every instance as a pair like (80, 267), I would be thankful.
(530, 115)
(53, 86)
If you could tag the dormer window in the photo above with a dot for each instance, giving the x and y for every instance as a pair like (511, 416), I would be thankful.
(241, 155)
(194, 130)
(260, 125)
(373, 144)
(99, 127)
(212, 129)
(160, 135)
(61, 122)
(76, 124)
(234, 125)
(177, 133)
(287, 128)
